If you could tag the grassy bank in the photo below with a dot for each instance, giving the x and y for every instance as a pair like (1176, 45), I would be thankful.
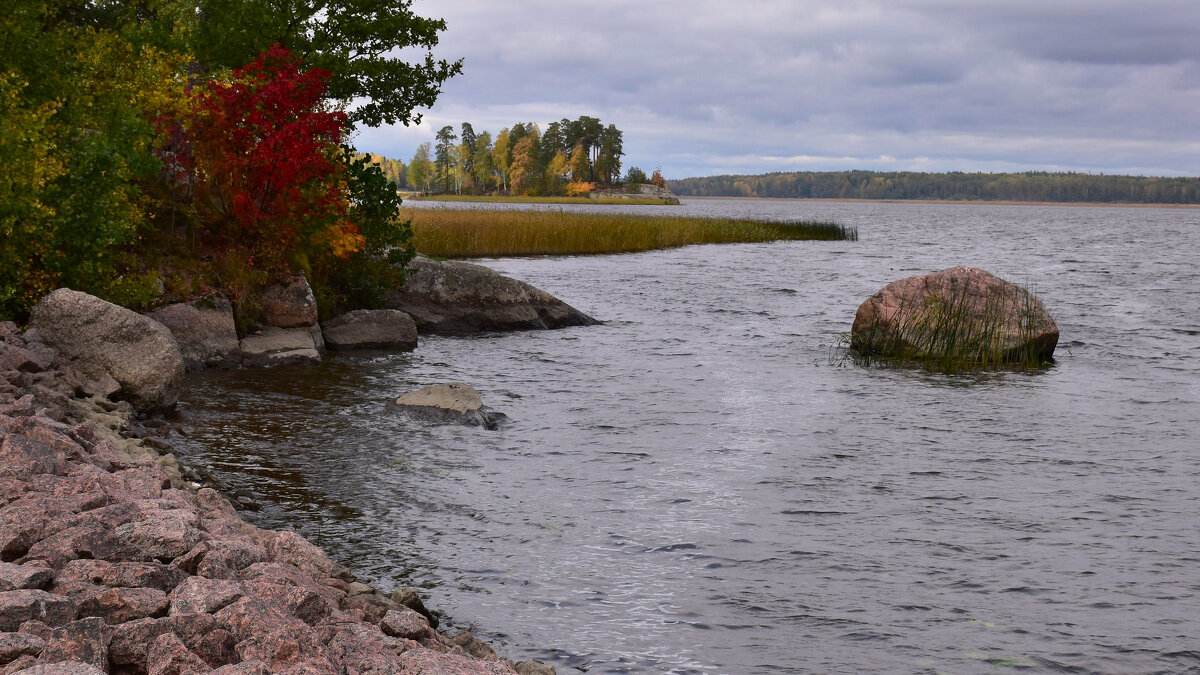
(538, 200)
(451, 233)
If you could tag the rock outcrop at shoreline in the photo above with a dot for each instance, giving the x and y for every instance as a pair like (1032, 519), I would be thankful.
(371, 329)
(457, 297)
(113, 559)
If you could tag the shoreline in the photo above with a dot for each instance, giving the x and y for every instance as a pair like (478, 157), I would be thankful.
(119, 558)
(964, 202)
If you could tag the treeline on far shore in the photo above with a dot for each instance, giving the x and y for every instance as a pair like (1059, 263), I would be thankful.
(1030, 186)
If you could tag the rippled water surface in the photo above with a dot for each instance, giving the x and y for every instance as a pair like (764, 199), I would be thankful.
(695, 486)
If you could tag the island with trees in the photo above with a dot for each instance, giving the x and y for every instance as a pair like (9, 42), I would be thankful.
(571, 158)
(1030, 186)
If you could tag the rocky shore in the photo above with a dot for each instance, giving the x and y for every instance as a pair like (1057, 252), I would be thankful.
(116, 558)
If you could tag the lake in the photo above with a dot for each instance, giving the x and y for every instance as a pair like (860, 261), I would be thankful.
(702, 485)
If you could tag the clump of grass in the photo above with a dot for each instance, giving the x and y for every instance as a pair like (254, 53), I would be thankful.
(451, 233)
(959, 333)
(585, 200)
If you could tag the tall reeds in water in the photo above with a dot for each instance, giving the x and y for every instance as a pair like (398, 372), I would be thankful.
(960, 331)
(462, 233)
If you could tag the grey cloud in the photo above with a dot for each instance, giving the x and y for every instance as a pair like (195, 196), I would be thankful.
(930, 82)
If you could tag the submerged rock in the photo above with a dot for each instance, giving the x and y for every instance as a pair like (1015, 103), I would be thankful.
(371, 329)
(453, 402)
(102, 338)
(458, 297)
(963, 313)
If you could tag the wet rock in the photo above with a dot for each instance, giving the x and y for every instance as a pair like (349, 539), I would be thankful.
(273, 346)
(17, 607)
(961, 310)
(204, 330)
(410, 599)
(370, 329)
(100, 337)
(453, 403)
(458, 297)
(474, 646)
(24, 577)
(533, 668)
(169, 656)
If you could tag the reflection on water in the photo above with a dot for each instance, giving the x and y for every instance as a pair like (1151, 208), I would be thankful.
(693, 487)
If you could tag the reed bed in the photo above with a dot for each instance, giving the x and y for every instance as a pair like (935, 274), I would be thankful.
(586, 201)
(456, 233)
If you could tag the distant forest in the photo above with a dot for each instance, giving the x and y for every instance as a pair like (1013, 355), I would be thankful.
(1031, 186)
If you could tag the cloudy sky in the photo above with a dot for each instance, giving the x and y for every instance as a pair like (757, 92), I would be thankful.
(704, 87)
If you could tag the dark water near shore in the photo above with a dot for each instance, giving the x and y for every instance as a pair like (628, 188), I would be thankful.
(695, 487)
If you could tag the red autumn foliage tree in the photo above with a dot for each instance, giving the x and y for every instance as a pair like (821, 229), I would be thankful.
(266, 163)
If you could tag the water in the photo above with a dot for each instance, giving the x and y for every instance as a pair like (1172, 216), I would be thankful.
(695, 487)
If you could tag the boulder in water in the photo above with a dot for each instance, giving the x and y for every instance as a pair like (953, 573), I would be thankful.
(453, 402)
(960, 316)
(458, 297)
(370, 329)
(273, 346)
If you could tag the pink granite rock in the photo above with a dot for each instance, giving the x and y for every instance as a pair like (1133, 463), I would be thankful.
(121, 605)
(85, 641)
(406, 623)
(16, 645)
(926, 315)
(169, 656)
(429, 661)
(265, 631)
(22, 577)
(205, 596)
(17, 607)
(122, 574)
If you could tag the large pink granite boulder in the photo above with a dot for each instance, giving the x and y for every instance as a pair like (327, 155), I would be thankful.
(963, 314)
